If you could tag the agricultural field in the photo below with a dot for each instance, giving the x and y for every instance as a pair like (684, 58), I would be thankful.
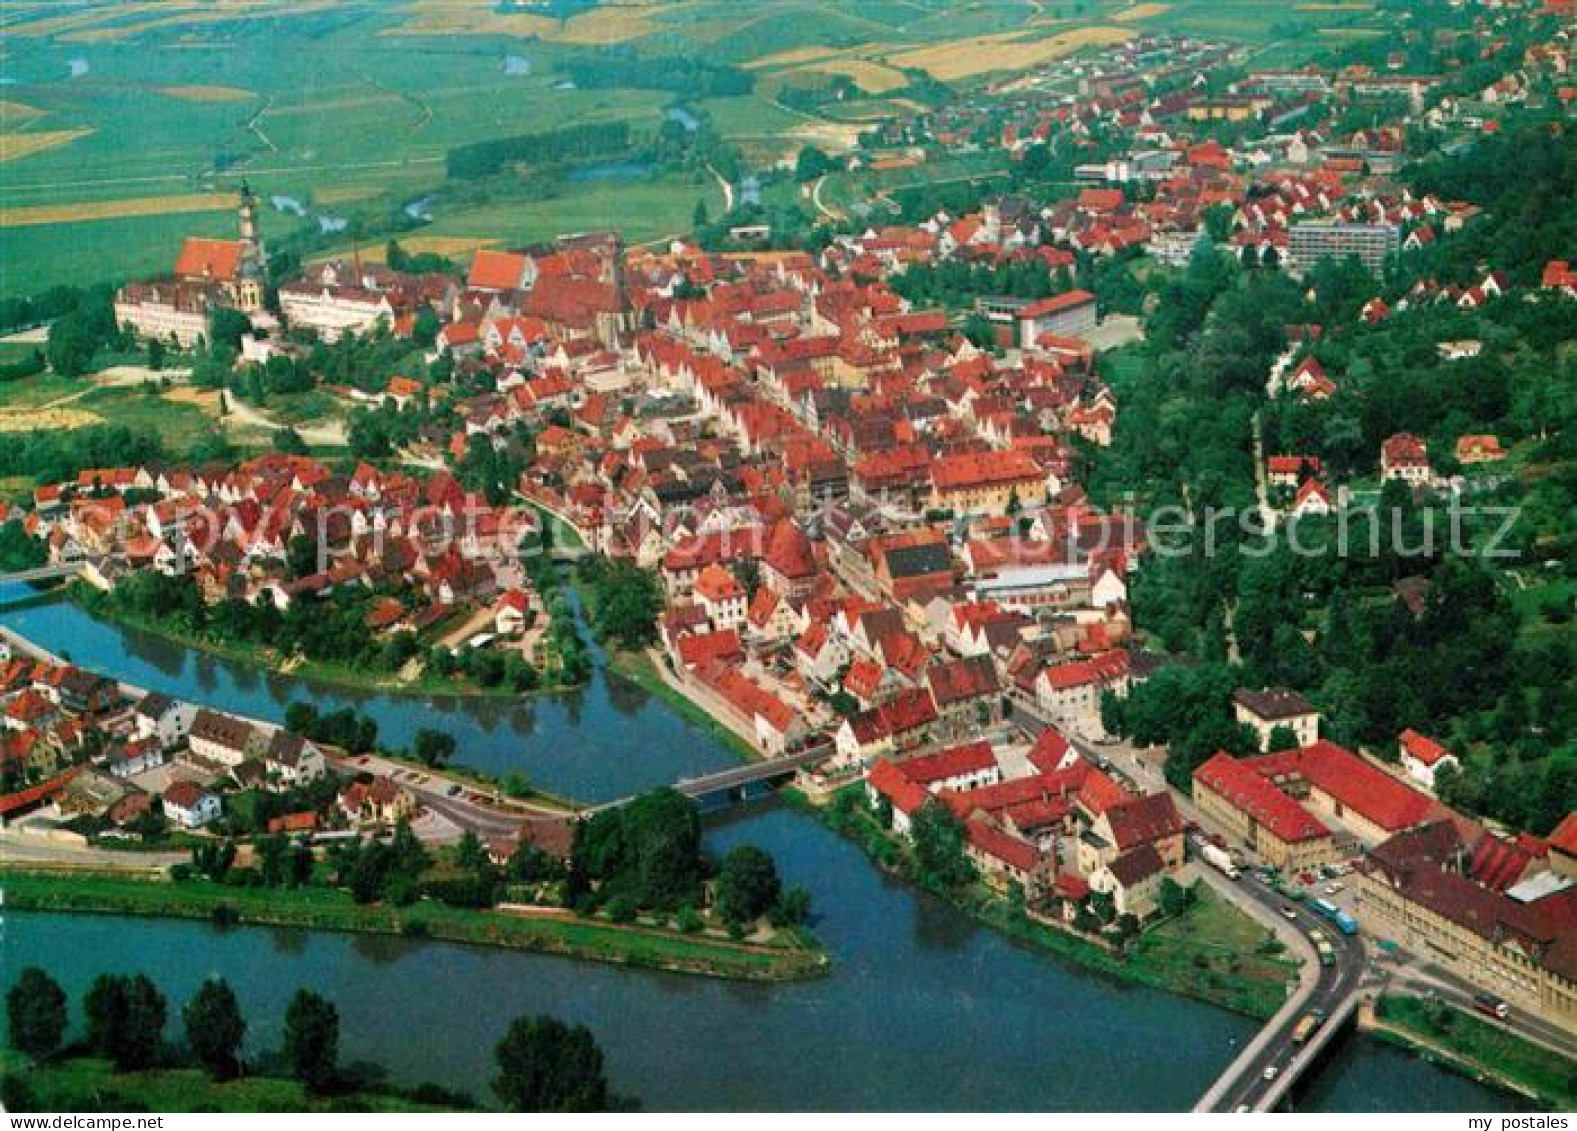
(124, 127)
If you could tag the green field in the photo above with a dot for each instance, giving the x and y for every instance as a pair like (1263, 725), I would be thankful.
(348, 106)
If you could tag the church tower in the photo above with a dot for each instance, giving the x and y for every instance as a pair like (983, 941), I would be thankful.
(251, 269)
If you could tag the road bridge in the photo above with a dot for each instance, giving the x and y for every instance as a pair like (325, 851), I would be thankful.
(733, 783)
(42, 573)
(1272, 1063)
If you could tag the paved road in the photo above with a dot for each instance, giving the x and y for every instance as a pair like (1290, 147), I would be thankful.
(1424, 980)
(486, 818)
(1273, 1046)
(1274, 1050)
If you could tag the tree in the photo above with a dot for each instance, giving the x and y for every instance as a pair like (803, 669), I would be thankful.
(155, 354)
(71, 346)
(289, 441)
(312, 1040)
(810, 164)
(648, 850)
(938, 838)
(1175, 898)
(227, 326)
(126, 1015)
(215, 1028)
(36, 1013)
(747, 885)
(1282, 737)
(546, 1065)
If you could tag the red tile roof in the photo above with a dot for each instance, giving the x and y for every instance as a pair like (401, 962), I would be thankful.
(992, 841)
(1055, 304)
(1143, 820)
(964, 470)
(956, 761)
(889, 780)
(957, 681)
(209, 259)
(1105, 668)
(1426, 750)
(497, 270)
(1564, 838)
(1340, 774)
(1283, 817)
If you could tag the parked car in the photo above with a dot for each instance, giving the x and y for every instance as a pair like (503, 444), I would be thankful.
(1288, 912)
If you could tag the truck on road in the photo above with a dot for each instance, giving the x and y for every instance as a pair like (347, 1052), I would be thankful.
(1306, 1025)
(1220, 859)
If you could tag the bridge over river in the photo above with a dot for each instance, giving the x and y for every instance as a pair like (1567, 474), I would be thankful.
(50, 572)
(733, 782)
(1272, 1063)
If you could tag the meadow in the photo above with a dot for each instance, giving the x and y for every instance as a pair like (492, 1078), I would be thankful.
(124, 127)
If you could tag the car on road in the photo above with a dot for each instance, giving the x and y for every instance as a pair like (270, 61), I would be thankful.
(452, 790)
(1270, 1072)
(1288, 912)
(1335, 889)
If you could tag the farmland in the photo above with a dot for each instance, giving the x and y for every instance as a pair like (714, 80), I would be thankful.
(125, 127)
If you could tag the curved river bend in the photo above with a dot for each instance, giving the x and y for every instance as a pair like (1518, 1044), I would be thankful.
(923, 1010)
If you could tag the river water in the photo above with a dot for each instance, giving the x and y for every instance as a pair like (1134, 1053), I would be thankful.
(923, 1009)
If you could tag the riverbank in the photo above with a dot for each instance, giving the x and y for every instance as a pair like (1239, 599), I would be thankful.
(81, 1084)
(640, 669)
(1476, 1048)
(1211, 952)
(549, 932)
(330, 675)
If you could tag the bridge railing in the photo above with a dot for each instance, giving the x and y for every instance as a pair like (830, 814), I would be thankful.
(1311, 1052)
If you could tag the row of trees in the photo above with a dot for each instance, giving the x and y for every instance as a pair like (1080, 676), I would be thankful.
(125, 1017)
(544, 1064)
(581, 142)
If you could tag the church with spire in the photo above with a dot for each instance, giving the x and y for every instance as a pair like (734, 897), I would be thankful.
(208, 274)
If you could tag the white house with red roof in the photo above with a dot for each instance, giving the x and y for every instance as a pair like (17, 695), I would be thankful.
(1423, 757)
(722, 596)
(1406, 458)
(1070, 693)
(189, 805)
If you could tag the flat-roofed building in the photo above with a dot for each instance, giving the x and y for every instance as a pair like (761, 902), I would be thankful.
(1374, 245)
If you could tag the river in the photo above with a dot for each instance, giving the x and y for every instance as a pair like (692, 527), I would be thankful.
(923, 1009)
(625, 740)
